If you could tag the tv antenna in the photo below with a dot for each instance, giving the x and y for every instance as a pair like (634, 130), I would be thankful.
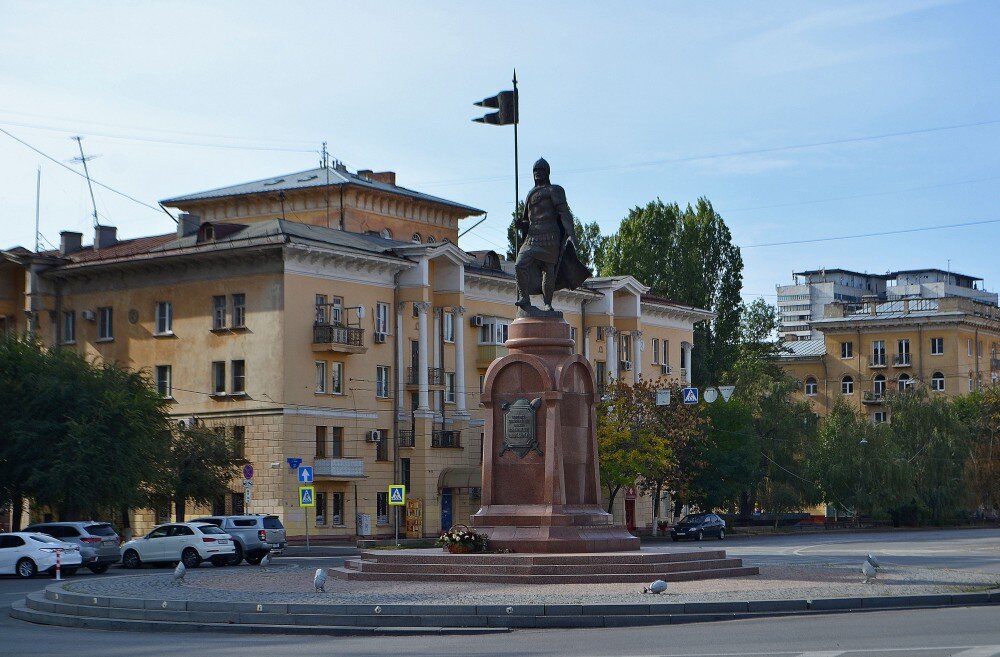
(84, 159)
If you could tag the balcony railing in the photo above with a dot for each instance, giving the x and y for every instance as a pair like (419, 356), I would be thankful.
(901, 360)
(446, 438)
(435, 376)
(339, 468)
(349, 338)
(487, 353)
(873, 397)
(406, 438)
(876, 361)
(995, 364)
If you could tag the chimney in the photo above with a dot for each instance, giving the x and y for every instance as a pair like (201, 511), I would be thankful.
(365, 173)
(70, 242)
(387, 177)
(187, 224)
(105, 236)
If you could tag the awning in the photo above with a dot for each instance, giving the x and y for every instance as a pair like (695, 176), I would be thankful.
(460, 478)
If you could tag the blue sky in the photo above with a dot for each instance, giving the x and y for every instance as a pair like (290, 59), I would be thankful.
(628, 102)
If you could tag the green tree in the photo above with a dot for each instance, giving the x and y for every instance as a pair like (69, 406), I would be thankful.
(688, 256)
(202, 463)
(732, 456)
(980, 411)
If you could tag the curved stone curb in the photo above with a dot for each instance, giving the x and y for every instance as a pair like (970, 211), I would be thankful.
(56, 606)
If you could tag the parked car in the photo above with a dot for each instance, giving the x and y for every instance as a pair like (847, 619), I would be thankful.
(187, 542)
(28, 553)
(698, 526)
(98, 541)
(254, 535)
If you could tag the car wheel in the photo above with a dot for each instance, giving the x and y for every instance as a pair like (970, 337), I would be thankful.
(722, 534)
(190, 558)
(255, 559)
(238, 556)
(26, 568)
(131, 559)
(701, 535)
(219, 562)
(99, 569)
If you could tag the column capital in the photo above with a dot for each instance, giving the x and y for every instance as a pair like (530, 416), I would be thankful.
(422, 306)
(610, 330)
(438, 311)
(401, 306)
(458, 310)
(637, 334)
(586, 330)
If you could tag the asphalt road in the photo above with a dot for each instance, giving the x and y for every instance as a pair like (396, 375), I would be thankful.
(969, 632)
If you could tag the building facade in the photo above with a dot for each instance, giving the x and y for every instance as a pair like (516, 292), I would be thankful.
(326, 316)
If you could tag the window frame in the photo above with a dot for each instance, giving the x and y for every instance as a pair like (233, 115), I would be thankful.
(846, 350)
(383, 381)
(381, 504)
(654, 344)
(449, 388)
(164, 385)
(448, 328)
(239, 310)
(336, 437)
(164, 318)
(382, 318)
(938, 382)
(239, 375)
(321, 442)
(847, 385)
(105, 324)
(218, 377)
(336, 377)
(811, 382)
(320, 377)
(937, 346)
(219, 312)
(68, 327)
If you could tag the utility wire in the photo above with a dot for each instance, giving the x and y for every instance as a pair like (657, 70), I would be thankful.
(876, 234)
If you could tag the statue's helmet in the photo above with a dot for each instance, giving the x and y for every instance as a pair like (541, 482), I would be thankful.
(543, 165)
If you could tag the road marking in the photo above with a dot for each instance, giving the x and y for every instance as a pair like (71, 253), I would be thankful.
(821, 653)
(981, 651)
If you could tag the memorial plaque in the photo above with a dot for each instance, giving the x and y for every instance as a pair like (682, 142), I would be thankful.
(519, 426)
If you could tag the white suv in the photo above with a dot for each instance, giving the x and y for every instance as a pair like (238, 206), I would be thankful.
(187, 542)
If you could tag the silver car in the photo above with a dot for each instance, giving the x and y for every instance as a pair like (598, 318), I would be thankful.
(98, 541)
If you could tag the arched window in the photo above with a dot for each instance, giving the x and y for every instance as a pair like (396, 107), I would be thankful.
(430, 239)
(937, 382)
(811, 386)
(847, 385)
(386, 234)
(416, 238)
(904, 382)
(878, 385)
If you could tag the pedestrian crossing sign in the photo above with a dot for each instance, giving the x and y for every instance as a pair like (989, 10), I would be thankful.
(307, 496)
(690, 395)
(397, 495)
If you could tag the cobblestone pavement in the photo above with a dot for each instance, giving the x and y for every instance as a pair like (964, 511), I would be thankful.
(290, 583)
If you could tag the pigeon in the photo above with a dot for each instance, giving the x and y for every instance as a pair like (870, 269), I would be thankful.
(657, 587)
(873, 561)
(868, 571)
(180, 571)
(320, 580)
(266, 561)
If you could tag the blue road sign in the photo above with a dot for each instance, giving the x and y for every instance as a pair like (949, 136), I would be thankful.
(307, 496)
(689, 395)
(305, 474)
(397, 495)
(294, 463)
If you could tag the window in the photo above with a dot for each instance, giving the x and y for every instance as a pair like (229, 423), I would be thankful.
(386, 234)
(321, 442)
(219, 377)
(937, 346)
(320, 509)
(666, 352)
(847, 384)
(404, 472)
(382, 508)
(240, 440)
(879, 417)
(415, 238)
(904, 382)
(625, 348)
(218, 313)
(337, 378)
(239, 311)
(811, 387)
(903, 349)
(493, 331)
(601, 374)
(69, 327)
(878, 353)
(847, 350)
(482, 383)
(655, 347)
(969, 347)
(105, 328)
(320, 376)
(970, 382)
(163, 381)
(878, 386)
(336, 309)
(239, 376)
(449, 327)
(937, 382)
(979, 349)
(449, 387)
(336, 442)
(382, 381)
(382, 446)
(600, 334)
(322, 310)
(381, 318)
(164, 318)
(337, 517)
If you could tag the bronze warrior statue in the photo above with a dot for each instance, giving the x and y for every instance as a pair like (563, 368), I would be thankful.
(547, 260)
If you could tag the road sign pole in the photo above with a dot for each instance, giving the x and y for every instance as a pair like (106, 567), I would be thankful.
(397, 526)
(307, 528)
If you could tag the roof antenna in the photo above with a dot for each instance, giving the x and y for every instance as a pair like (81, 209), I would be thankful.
(326, 167)
(83, 158)
(38, 196)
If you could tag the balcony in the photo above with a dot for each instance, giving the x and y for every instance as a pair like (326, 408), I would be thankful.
(487, 353)
(446, 439)
(995, 364)
(339, 468)
(406, 438)
(345, 339)
(876, 361)
(435, 377)
(873, 397)
(901, 360)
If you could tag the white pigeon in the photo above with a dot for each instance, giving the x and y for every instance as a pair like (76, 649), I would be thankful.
(873, 561)
(868, 571)
(180, 571)
(320, 580)
(266, 561)
(657, 587)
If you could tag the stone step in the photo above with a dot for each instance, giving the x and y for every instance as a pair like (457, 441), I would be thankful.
(650, 570)
(440, 556)
(586, 578)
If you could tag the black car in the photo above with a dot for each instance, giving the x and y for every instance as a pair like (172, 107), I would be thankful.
(698, 526)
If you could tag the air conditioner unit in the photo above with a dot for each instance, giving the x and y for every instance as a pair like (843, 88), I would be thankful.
(188, 423)
(626, 366)
(476, 320)
(666, 369)
(373, 436)
(88, 315)
(379, 337)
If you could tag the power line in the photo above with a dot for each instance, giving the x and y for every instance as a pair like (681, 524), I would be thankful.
(876, 234)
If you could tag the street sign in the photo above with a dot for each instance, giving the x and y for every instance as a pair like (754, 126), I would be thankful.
(397, 495)
(307, 496)
(294, 463)
(663, 397)
(247, 483)
(248, 471)
(711, 394)
(726, 392)
(689, 395)
(305, 474)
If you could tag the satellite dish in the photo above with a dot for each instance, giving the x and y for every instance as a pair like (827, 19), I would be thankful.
(361, 312)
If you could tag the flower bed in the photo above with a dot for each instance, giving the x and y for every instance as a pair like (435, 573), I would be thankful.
(460, 539)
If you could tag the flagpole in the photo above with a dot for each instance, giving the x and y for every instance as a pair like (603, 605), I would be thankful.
(517, 194)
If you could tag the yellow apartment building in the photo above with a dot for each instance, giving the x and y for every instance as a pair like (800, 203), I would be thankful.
(327, 316)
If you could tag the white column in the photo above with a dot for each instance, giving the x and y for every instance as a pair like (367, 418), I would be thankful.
(458, 323)
(636, 356)
(423, 402)
(437, 337)
(400, 363)
(687, 361)
(611, 358)
(586, 343)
